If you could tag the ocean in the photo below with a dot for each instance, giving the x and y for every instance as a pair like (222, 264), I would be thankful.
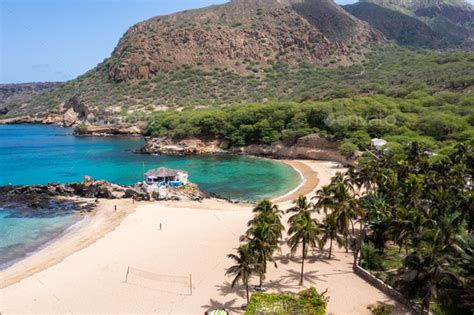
(39, 154)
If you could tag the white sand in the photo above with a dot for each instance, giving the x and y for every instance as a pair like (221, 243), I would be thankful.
(195, 239)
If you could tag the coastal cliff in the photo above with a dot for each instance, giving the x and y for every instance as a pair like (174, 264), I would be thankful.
(79, 130)
(311, 146)
(74, 112)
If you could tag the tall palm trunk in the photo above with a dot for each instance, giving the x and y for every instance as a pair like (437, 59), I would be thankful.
(358, 246)
(330, 248)
(263, 270)
(346, 236)
(247, 291)
(302, 263)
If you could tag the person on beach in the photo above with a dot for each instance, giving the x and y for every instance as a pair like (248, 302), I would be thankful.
(115, 208)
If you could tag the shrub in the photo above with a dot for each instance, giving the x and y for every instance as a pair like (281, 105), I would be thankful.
(379, 310)
(440, 126)
(80, 129)
(371, 258)
(305, 302)
(360, 138)
(347, 149)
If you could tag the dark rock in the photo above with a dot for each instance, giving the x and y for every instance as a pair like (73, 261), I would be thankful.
(136, 194)
(41, 196)
(78, 106)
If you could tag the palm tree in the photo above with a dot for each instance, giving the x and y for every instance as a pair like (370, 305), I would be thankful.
(424, 274)
(427, 270)
(260, 238)
(377, 217)
(338, 197)
(365, 177)
(303, 230)
(466, 261)
(245, 266)
(265, 229)
(266, 206)
(405, 226)
(378, 230)
(325, 200)
(329, 231)
(302, 204)
(268, 214)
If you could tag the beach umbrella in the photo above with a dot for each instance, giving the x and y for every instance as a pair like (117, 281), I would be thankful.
(217, 312)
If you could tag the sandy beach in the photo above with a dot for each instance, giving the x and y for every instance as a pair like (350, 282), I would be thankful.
(85, 271)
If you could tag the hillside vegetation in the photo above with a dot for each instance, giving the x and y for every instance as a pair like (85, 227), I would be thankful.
(249, 51)
(389, 70)
(436, 122)
(19, 95)
(428, 23)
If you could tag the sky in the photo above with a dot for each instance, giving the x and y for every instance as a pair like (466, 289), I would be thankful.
(57, 40)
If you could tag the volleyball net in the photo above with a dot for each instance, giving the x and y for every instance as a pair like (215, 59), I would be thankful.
(176, 284)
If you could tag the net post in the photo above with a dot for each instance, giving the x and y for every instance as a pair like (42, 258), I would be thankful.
(191, 283)
(126, 276)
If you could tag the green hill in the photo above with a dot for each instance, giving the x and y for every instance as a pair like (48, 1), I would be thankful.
(420, 23)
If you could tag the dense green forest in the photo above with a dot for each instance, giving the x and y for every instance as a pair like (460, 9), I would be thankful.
(436, 121)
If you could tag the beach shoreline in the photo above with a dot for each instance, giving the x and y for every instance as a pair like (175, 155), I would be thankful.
(89, 229)
(103, 220)
(170, 239)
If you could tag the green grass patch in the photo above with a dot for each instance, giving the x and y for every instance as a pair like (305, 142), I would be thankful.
(305, 302)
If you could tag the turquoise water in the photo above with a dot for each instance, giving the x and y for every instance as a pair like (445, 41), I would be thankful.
(37, 154)
(21, 235)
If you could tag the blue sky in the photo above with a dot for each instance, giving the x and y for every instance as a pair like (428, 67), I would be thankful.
(57, 40)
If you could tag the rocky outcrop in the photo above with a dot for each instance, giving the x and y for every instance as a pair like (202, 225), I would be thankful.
(78, 106)
(190, 146)
(73, 112)
(311, 147)
(308, 147)
(99, 131)
(89, 188)
(42, 196)
(22, 120)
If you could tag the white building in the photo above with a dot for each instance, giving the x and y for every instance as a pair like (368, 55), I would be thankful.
(164, 177)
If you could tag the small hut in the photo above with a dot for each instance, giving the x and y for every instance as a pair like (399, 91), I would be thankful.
(164, 176)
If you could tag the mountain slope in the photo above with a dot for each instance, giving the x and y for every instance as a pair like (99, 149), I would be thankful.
(420, 23)
(247, 51)
(17, 96)
(228, 48)
(317, 31)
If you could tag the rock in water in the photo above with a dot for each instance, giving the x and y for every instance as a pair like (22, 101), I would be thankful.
(41, 196)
